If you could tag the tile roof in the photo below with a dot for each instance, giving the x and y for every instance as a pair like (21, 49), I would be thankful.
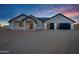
(62, 15)
(18, 17)
(42, 19)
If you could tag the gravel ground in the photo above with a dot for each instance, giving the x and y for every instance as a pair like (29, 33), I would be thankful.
(39, 42)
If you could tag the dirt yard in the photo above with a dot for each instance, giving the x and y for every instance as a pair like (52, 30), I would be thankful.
(39, 42)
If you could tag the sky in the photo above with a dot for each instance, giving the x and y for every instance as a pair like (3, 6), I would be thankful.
(9, 11)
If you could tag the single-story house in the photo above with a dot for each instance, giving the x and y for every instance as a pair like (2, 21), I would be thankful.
(57, 22)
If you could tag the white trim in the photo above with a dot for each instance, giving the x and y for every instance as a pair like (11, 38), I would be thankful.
(55, 26)
(14, 25)
(24, 25)
(72, 26)
(34, 26)
(45, 26)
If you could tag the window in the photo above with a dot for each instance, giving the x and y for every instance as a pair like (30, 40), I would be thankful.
(21, 24)
(38, 24)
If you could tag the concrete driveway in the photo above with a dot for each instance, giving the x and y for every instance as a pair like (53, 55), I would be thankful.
(39, 42)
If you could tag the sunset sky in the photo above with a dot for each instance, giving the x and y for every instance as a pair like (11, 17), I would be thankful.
(9, 11)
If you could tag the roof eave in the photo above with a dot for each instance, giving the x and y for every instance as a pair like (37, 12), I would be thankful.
(64, 16)
(16, 17)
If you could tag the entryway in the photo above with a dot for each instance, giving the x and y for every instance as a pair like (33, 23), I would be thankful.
(29, 25)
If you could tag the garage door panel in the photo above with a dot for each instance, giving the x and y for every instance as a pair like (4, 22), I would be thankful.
(52, 26)
(64, 26)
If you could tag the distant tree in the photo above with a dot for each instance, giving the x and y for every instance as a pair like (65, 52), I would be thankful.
(0, 26)
(76, 26)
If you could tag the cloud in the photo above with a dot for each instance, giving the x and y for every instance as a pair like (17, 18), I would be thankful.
(68, 10)
(71, 14)
(3, 23)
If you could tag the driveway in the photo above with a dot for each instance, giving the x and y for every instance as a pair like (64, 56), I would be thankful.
(39, 42)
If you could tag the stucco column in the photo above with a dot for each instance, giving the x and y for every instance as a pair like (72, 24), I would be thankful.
(34, 26)
(45, 26)
(24, 25)
(14, 25)
(72, 26)
(55, 26)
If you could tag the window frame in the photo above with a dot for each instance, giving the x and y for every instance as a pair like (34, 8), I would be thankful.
(21, 24)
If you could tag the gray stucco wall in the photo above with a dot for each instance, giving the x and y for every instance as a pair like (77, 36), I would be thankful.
(58, 19)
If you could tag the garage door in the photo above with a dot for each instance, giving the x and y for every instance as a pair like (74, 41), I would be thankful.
(51, 26)
(64, 26)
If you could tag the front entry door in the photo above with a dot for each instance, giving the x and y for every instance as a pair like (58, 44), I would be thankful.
(31, 26)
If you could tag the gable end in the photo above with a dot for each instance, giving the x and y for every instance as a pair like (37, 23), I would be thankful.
(62, 15)
(17, 17)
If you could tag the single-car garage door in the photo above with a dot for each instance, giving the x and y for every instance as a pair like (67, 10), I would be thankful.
(51, 26)
(64, 26)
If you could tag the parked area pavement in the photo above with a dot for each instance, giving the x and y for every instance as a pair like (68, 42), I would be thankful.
(39, 42)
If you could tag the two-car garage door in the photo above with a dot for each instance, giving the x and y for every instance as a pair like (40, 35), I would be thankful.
(62, 26)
